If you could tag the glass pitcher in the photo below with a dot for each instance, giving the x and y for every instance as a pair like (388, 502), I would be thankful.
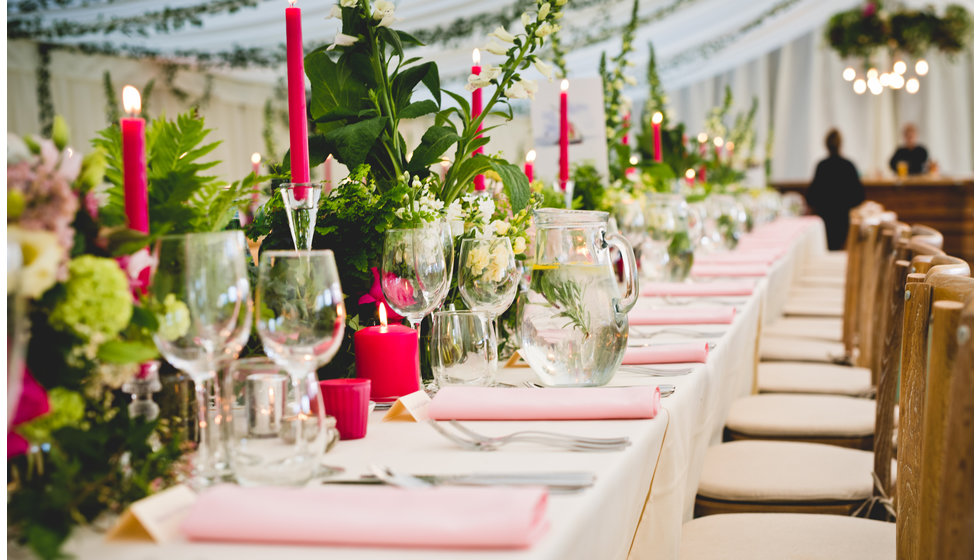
(572, 319)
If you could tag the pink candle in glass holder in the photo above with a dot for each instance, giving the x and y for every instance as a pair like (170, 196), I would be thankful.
(388, 355)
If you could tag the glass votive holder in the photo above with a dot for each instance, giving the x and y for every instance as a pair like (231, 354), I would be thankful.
(463, 348)
(280, 431)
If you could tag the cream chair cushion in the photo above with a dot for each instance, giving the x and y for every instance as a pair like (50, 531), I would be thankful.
(787, 536)
(824, 328)
(808, 377)
(792, 349)
(814, 307)
(784, 415)
(785, 471)
(823, 279)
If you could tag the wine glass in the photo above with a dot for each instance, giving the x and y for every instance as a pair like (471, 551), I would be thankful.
(448, 247)
(488, 276)
(414, 271)
(300, 318)
(200, 286)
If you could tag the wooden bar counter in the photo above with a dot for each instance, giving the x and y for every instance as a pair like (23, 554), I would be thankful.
(945, 203)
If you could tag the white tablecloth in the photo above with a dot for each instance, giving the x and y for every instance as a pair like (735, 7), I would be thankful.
(641, 497)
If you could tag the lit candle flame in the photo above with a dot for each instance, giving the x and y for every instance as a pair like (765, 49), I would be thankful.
(292, 3)
(131, 101)
(702, 137)
(383, 314)
(689, 173)
(658, 117)
(730, 146)
(564, 85)
(476, 57)
(256, 158)
(719, 141)
(634, 160)
(531, 155)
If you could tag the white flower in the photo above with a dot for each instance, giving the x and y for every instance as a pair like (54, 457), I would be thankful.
(499, 227)
(349, 3)
(383, 8)
(454, 211)
(335, 12)
(503, 34)
(494, 47)
(482, 80)
(530, 86)
(546, 70)
(41, 257)
(544, 10)
(17, 150)
(71, 164)
(341, 40)
(516, 91)
(525, 19)
(630, 80)
(544, 30)
(486, 207)
(386, 21)
(520, 245)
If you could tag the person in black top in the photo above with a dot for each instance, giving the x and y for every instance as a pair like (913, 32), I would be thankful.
(835, 189)
(912, 153)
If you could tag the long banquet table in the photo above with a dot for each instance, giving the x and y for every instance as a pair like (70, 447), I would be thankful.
(641, 496)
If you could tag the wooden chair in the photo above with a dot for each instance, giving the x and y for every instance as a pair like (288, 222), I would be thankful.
(745, 475)
(939, 524)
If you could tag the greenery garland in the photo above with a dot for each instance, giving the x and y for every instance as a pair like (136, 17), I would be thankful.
(45, 105)
(863, 30)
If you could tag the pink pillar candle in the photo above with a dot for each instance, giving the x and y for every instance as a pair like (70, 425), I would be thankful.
(388, 355)
(134, 162)
(299, 157)
(563, 136)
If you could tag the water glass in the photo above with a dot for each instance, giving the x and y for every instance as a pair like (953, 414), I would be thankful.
(488, 276)
(464, 348)
(414, 270)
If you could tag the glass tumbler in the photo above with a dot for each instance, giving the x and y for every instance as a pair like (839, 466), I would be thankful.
(464, 348)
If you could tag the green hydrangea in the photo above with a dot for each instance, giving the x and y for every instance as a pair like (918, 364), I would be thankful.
(174, 319)
(67, 409)
(97, 301)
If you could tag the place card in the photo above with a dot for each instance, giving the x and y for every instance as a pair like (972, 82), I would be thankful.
(412, 407)
(156, 518)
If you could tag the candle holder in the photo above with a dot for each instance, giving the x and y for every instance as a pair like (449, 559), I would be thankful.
(141, 389)
(301, 201)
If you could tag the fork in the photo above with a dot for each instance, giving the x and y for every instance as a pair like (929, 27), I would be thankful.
(469, 439)
(678, 331)
(675, 300)
(655, 371)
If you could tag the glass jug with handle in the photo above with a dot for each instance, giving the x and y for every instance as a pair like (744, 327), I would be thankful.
(572, 319)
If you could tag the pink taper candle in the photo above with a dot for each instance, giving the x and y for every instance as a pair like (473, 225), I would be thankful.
(299, 157)
(529, 165)
(626, 125)
(703, 149)
(655, 121)
(718, 144)
(476, 107)
(134, 162)
(563, 136)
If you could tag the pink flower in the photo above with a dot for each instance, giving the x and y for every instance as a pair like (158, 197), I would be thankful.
(137, 268)
(33, 402)
(376, 295)
(869, 9)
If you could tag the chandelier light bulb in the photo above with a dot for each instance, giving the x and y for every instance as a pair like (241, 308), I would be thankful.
(912, 85)
(872, 75)
(922, 67)
(900, 67)
(860, 86)
(849, 74)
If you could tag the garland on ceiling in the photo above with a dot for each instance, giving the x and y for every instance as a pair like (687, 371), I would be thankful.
(865, 29)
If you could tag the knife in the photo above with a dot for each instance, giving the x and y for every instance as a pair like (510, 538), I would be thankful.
(557, 482)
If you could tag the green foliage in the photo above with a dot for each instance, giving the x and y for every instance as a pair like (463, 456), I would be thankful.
(588, 186)
(863, 30)
(614, 80)
(182, 198)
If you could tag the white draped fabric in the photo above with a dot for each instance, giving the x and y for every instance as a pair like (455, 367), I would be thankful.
(770, 49)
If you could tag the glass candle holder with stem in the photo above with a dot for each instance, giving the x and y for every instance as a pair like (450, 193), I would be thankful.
(300, 318)
(414, 271)
(200, 285)
(488, 276)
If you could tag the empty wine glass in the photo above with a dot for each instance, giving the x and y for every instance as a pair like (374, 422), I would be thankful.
(300, 318)
(200, 285)
(488, 275)
(414, 271)
(446, 233)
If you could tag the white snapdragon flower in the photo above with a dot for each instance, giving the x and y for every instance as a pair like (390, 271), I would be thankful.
(630, 80)
(335, 12)
(544, 10)
(486, 207)
(516, 91)
(493, 47)
(520, 245)
(384, 13)
(544, 30)
(348, 3)
(482, 80)
(530, 86)
(341, 40)
(503, 34)
(525, 19)
(546, 70)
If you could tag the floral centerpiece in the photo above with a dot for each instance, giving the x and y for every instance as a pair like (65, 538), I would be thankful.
(80, 327)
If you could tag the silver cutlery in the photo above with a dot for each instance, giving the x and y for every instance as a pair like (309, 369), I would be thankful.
(468, 439)
(400, 480)
(675, 300)
(640, 343)
(666, 389)
(655, 371)
(556, 482)
(678, 331)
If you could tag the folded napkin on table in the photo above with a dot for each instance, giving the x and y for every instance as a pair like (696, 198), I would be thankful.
(437, 517)
(721, 315)
(734, 269)
(667, 354)
(698, 289)
(559, 403)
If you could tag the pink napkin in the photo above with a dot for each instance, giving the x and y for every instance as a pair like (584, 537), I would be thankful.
(729, 269)
(560, 403)
(437, 517)
(696, 289)
(672, 354)
(682, 316)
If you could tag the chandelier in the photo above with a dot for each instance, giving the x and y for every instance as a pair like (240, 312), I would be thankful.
(876, 82)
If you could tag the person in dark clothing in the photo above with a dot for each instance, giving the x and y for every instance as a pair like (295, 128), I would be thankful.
(912, 153)
(835, 189)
